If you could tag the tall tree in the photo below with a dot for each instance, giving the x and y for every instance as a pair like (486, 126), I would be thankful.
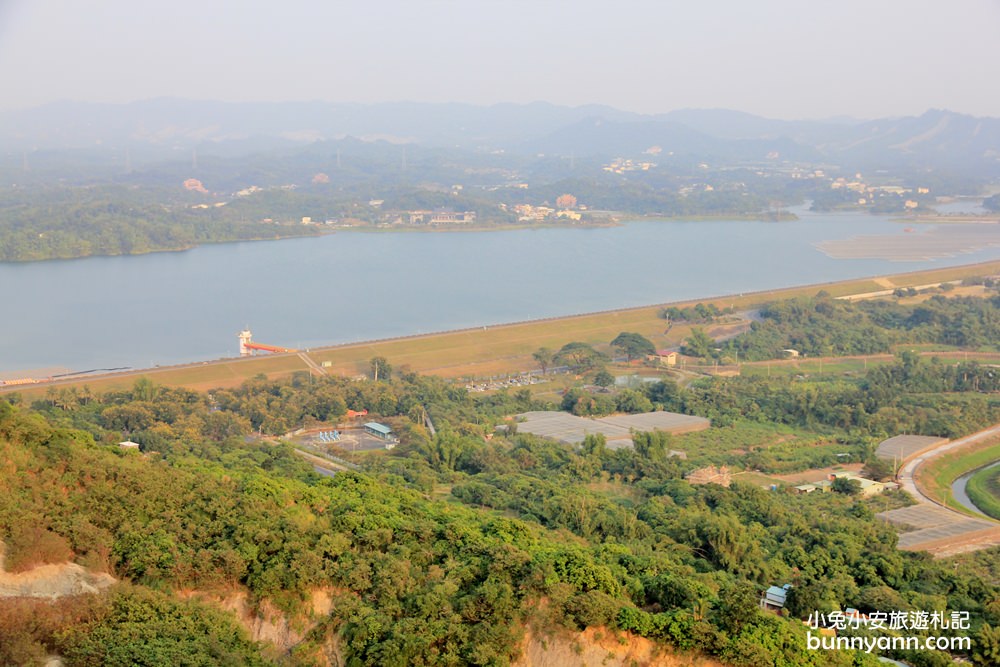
(380, 368)
(543, 356)
(579, 356)
(698, 344)
(633, 345)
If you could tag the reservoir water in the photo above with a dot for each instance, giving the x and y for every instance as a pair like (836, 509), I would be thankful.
(175, 307)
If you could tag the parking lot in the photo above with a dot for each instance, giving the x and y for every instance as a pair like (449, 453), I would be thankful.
(571, 429)
(902, 447)
(934, 525)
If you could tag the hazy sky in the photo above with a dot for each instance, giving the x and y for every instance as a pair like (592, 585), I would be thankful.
(778, 58)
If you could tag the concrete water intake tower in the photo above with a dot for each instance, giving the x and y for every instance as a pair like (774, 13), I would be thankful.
(249, 348)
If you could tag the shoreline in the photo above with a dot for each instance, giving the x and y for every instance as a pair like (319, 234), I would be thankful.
(953, 219)
(612, 219)
(492, 348)
(154, 251)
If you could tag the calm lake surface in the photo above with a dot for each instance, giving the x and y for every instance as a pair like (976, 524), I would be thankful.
(168, 308)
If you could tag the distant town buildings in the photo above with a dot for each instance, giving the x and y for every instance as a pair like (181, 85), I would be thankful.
(447, 217)
(423, 217)
(869, 194)
(529, 213)
(567, 208)
(697, 187)
(622, 165)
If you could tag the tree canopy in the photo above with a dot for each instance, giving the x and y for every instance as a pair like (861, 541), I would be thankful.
(633, 345)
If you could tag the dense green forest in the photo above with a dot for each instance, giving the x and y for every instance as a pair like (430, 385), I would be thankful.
(444, 550)
(824, 326)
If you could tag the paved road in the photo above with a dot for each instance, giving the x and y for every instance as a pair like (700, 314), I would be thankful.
(311, 364)
(940, 529)
(907, 471)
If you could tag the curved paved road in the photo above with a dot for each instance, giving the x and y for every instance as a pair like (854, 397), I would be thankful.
(939, 529)
(907, 471)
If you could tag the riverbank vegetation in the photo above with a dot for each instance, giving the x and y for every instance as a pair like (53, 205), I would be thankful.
(824, 326)
(937, 475)
(983, 490)
(57, 221)
(63, 223)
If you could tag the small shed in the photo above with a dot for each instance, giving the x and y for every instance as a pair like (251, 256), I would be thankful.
(128, 444)
(665, 358)
(774, 597)
(378, 430)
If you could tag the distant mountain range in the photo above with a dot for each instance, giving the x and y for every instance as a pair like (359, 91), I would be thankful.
(937, 139)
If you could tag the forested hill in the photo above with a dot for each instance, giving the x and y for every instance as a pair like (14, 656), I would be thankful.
(64, 223)
(937, 138)
(85, 180)
(447, 548)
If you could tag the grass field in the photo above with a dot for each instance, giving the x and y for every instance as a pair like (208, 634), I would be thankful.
(499, 349)
(833, 366)
(936, 476)
(757, 479)
(494, 350)
(201, 376)
(774, 449)
(852, 366)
